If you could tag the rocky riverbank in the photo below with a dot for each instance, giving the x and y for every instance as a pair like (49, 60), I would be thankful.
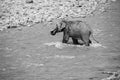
(16, 13)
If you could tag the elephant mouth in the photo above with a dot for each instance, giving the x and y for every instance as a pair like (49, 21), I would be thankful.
(53, 32)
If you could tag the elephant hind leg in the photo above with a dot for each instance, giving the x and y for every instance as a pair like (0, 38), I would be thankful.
(75, 41)
(86, 40)
(86, 43)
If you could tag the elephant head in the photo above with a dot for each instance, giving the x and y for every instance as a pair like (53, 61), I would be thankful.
(59, 28)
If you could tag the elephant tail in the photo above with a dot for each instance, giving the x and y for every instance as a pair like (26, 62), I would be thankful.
(94, 38)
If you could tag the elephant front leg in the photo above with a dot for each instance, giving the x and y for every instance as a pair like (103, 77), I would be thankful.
(65, 38)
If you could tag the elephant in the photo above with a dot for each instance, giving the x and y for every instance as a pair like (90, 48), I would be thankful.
(77, 30)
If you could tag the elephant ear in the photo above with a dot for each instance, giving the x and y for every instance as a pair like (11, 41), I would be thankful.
(62, 24)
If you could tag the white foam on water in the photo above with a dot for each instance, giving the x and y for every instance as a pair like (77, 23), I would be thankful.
(95, 45)
(61, 57)
(56, 44)
(61, 45)
(64, 56)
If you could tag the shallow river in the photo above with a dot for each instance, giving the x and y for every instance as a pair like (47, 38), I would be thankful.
(33, 54)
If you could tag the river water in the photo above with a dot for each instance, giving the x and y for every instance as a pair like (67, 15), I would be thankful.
(33, 54)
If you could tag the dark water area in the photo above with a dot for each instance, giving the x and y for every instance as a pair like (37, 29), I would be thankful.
(23, 55)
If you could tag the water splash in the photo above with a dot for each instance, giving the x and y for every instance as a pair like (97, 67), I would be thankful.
(60, 45)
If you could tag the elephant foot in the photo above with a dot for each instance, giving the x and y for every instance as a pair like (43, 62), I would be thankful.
(64, 41)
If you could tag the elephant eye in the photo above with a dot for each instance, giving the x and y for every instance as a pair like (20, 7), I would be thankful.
(61, 25)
